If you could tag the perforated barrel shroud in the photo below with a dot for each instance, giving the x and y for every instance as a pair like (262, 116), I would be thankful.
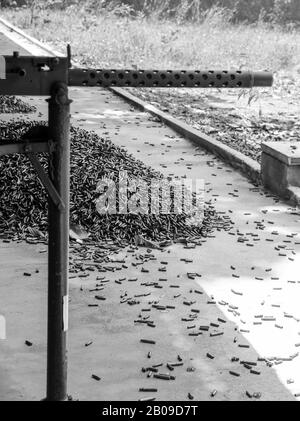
(169, 78)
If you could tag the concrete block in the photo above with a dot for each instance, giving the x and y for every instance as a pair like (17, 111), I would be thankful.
(280, 166)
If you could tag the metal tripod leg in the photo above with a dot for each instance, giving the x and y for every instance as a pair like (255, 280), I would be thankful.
(58, 256)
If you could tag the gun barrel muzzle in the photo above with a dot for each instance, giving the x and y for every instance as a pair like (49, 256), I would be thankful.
(263, 79)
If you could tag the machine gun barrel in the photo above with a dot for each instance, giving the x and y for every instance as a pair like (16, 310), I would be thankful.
(169, 78)
(25, 75)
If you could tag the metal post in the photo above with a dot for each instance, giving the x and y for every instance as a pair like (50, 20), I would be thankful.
(58, 255)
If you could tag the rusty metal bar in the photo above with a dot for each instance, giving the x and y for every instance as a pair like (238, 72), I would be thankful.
(169, 78)
(45, 180)
(58, 256)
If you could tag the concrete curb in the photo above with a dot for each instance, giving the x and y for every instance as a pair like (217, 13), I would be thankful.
(236, 159)
(294, 195)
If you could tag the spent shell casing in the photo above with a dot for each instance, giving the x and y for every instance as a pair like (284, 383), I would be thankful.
(148, 389)
(148, 341)
(164, 376)
(234, 373)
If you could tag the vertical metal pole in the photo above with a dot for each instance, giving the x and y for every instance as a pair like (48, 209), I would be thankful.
(58, 254)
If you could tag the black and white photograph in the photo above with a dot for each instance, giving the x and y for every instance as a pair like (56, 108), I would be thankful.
(149, 205)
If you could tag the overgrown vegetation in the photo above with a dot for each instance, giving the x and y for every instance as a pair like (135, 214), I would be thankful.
(278, 11)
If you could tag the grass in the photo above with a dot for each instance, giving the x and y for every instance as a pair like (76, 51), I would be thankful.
(111, 41)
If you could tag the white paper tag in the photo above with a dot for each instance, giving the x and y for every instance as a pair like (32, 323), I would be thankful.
(65, 312)
(2, 327)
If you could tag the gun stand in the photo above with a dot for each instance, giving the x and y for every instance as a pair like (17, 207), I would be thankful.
(52, 76)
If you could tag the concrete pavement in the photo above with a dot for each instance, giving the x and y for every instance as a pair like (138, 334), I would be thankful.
(251, 274)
